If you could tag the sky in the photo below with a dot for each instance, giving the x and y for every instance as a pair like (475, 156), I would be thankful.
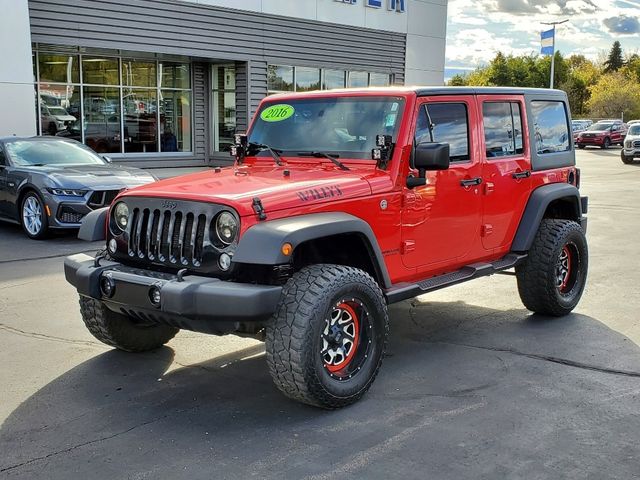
(478, 29)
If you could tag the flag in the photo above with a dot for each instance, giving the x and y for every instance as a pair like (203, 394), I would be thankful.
(546, 42)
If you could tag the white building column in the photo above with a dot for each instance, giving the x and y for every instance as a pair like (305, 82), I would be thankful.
(17, 96)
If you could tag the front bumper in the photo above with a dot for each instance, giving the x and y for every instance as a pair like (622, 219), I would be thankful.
(631, 152)
(599, 141)
(197, 303)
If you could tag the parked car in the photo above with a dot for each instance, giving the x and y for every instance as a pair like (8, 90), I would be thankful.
(579, 126)
(632, 122)
(368, 197)
(52, 183)
(602, 134)
(631, 147)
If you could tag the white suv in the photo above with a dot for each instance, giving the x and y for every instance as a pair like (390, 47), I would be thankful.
(631, 145)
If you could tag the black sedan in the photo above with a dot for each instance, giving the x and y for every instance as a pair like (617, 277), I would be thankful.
(52, 183)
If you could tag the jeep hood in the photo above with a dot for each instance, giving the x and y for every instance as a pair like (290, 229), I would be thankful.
(237, 187)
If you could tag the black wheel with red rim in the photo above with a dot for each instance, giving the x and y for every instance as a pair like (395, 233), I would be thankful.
(326, 342)
(553, 276)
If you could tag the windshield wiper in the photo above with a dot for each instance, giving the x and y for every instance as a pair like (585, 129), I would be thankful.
(259, 147)
(333, 158)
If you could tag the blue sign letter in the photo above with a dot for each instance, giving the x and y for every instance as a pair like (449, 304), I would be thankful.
(374, 3)
(397, 5)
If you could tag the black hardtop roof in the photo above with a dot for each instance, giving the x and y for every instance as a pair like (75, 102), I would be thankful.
(427, 91)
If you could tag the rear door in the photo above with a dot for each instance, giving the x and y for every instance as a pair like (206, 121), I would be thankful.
(506, 170)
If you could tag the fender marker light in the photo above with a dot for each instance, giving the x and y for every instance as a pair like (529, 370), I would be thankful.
(287, 249)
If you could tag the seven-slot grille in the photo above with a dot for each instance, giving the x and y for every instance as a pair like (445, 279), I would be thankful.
(169, 237)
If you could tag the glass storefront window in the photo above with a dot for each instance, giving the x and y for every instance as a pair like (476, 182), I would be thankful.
(307, 79)
(175, 75)
(60, 111)
(102, 119)
(100, 71)
(279, 78)
(224, 107)
(333, 79)
(175, 121)
(379, 79)
(140, 121)
(58, 68)
(138, 73)
(358, 79)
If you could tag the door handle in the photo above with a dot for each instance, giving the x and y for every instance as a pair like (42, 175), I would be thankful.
(470, 182)
(522, 174)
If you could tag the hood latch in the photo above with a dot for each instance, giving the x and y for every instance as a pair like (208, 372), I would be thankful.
(259, 209)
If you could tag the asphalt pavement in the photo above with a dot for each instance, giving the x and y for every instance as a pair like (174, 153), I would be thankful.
(474, 386)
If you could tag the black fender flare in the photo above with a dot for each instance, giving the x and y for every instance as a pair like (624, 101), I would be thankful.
(93, 225)
(537, 205)
(261, 244)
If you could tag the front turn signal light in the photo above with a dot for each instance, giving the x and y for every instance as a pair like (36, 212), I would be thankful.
(287, 249)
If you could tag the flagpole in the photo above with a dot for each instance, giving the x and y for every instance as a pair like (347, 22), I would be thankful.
(553, 48)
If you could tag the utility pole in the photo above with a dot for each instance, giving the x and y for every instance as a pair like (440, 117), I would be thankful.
(553, 55)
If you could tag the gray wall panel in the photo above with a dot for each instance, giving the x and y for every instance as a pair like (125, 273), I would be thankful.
(207, 34)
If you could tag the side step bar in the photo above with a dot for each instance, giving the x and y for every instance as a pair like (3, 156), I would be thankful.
(405, 291)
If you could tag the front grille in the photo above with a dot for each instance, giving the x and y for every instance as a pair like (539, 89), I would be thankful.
(181, 235)
(68, 214)
(636, 144)
(175, 238)
(102, 198)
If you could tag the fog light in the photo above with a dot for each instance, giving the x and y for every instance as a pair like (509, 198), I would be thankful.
(107, 286)
(113, 246)
(154, 296)
(224, 261)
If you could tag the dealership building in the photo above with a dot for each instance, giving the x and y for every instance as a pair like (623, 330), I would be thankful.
(168, 82)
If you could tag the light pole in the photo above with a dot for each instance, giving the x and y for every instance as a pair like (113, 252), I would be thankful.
(553, 54)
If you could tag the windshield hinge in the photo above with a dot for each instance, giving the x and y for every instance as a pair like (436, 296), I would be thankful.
(259, 209)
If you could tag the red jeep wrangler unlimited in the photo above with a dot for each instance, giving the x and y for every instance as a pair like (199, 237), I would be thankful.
(340, 203)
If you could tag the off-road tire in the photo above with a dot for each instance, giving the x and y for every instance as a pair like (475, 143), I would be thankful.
(626, 160)
(606, 144)
(120, 331)
(537, 274)
(294, 335)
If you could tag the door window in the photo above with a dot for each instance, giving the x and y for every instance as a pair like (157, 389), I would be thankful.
(445, 123)
(502, 129)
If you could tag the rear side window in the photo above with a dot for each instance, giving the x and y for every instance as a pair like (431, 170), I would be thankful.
(551, 126)
(449, 124)
(502, 129)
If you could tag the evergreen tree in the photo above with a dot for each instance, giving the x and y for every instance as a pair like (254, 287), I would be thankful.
(615, 61)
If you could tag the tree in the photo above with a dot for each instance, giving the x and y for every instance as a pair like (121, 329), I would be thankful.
(615, 61)
(614, 95)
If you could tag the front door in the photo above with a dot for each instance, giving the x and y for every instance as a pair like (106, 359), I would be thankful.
(3, 184)
(440, 221)
(506, 172)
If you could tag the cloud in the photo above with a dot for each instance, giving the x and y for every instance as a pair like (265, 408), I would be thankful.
(622, 24)
(549, 7)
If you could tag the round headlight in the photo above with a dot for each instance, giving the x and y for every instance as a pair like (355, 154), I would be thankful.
(226, 227)
(121, 215)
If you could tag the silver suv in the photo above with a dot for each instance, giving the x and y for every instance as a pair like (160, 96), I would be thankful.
(631, 146)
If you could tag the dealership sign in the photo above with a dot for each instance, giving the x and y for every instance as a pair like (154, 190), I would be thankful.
(393, 5)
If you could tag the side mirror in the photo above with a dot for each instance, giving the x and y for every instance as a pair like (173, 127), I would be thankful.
(431, 156)
(428, 156)
(107, 159)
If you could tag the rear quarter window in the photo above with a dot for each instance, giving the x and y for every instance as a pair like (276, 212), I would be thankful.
(551, 126)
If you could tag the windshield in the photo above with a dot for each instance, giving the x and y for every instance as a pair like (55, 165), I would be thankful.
(600, 127)
(634, 129)
(51, 152)
(57, 111)
(341, 126)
